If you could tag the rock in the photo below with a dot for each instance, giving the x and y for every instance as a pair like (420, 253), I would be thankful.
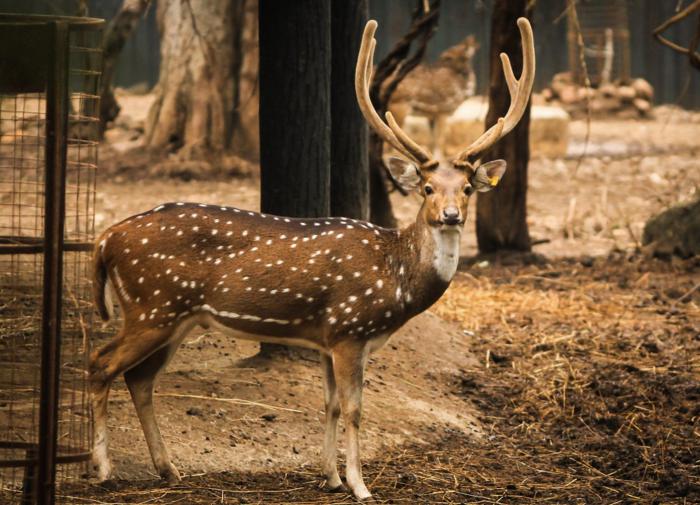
(569, 94)
(642, 105)
(549, 128)
(608, 90)
(675, 231)
(194, 411)
(643, 89)
(601, 104)
(626, 93)
(583, 92)
(561, 80)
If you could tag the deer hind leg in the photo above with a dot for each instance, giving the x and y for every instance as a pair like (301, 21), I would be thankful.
(349, 360)
(100, 382)
(329, 463)
(140, 380)
(128, 348)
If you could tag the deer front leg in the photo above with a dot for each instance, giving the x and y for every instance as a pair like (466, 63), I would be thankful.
(330, 395)
(349, 361)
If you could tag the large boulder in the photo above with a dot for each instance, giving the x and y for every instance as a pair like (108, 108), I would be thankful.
(675, 231)
(549, 128)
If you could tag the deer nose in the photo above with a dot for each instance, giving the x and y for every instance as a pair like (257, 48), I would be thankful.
(450, 215)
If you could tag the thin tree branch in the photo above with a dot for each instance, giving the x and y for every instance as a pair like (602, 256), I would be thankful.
(117, 33)
(691, 50)
(586, 78)
(398, 63)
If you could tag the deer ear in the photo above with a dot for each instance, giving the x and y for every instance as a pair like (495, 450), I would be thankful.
(488, 175)
(404, 172)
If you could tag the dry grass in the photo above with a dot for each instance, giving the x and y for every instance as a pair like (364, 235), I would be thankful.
(588, 386)
(591, 376)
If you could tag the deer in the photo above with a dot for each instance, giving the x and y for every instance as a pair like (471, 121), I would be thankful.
(435, 91)
(337, 285)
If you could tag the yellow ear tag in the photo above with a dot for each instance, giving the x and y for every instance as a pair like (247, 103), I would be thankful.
(494, 180)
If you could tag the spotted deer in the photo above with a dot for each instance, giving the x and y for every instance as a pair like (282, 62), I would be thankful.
(337, 285)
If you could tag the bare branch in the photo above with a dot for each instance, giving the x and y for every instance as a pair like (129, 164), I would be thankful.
(691, 50)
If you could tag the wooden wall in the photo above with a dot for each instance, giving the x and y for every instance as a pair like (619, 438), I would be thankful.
(669, 73)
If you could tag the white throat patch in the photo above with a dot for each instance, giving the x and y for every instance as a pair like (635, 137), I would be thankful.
(446, 252)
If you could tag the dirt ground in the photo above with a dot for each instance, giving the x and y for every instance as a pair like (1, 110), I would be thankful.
(569, 376)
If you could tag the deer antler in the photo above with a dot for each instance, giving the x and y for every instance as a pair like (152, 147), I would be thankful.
(391, 133)
(519, 90)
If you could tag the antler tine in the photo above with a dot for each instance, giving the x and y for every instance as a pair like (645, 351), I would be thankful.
(422, 155)
(519, 90)
(393, 134)
(364, 59)
(487, 139)
(369, 69)
(511, 81)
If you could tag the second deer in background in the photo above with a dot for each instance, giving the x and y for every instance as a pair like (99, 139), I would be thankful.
(435, 91)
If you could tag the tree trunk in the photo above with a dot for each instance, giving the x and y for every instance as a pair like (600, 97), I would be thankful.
(381, 212)
(295, 110)
(246, 131)
(194, 104)
(349, 156)
(117, 33)
(295, 116)
(501, 217)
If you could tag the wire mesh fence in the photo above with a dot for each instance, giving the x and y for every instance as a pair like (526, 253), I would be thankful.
(606, 37)
(45, 134)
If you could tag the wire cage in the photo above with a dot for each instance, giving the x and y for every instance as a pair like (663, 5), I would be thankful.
(606, 39)
(49, 75)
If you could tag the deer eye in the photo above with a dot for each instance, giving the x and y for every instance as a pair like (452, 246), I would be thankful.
(428, 190)
(468, 189)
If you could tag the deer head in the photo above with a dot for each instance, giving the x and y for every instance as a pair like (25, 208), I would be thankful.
(459, 57)
(446, 185)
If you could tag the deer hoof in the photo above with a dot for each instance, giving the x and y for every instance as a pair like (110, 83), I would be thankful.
(363, 495)
(170, 475)
(339, 488)
(103, 470)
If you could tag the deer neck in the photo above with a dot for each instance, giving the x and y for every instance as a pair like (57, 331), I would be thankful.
(431, 258)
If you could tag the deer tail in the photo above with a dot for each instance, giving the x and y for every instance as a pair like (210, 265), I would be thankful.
(100, 281)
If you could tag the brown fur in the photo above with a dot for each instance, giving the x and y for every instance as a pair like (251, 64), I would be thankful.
(338, 285)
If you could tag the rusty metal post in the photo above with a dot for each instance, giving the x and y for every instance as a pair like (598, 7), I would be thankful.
(55, 164)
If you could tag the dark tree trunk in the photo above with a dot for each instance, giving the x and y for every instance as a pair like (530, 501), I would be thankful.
(501, 216)
(295, 110)
(349, 157)
(381, 212)
(118, 32)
